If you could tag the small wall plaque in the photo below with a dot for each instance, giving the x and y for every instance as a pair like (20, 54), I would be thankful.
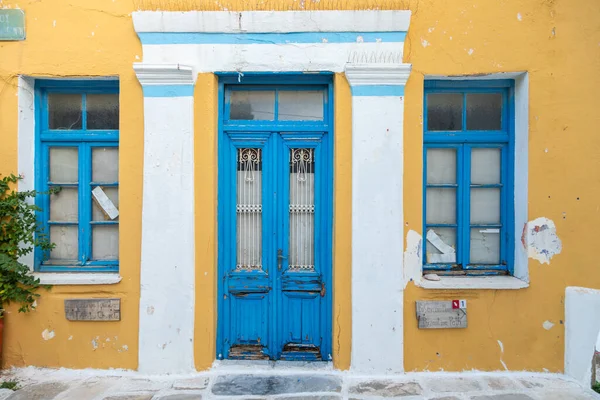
(12, 24)
(93, 309)
(442, 314)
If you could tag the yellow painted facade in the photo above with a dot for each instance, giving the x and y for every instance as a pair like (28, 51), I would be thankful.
(556, 42)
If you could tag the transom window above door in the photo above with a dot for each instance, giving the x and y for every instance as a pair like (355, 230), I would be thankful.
(468, 177)
(288, 105)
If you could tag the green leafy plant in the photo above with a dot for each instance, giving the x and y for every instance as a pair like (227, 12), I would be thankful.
(12, 385)
(19, 235)
(596, 387)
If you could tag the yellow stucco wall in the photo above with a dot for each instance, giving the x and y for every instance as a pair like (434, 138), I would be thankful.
(70, 40)
(557, 42)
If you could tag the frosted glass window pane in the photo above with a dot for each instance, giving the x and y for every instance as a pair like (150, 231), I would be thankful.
(105, 242)
(448, 236)
(301, 105)
(252, 105)
(485, 246)
(441, 206)
(444, 111)
(485, 206)
(113, 194)
(249, 209)
(441, 166)
(102, 111)
(302, 210)
(485, 166)
(63, 165)
(64, 205)
(105, 164)
(66, 240)
(484, 111)
(64, 111)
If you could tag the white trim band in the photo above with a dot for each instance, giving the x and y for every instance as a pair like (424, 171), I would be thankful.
(164, 74)
(377, 74)
(76, 278)
(473, 282)
(271, 21)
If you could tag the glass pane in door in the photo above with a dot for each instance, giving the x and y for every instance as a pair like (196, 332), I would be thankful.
(249, 209)
(302, 210)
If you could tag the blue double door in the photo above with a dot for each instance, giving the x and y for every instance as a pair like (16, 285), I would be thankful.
(275, 222)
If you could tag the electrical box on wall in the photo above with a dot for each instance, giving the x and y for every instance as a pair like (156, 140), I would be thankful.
(12, 25)
(442, 314)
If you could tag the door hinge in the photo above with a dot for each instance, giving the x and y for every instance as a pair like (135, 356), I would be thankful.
(323, 289)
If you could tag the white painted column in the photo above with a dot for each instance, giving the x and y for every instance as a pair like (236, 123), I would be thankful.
(377, 215)
(166, 329)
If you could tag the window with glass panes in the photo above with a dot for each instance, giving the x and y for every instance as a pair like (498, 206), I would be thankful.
(77, 155)
(468, 173)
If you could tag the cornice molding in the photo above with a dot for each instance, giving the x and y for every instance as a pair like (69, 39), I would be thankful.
(272, 21)
(164, 74)
(377, 73)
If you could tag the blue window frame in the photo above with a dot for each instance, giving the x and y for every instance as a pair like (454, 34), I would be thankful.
(77, 146)
(468, 212)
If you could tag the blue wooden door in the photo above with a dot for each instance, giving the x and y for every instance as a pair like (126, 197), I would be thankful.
(275, 220)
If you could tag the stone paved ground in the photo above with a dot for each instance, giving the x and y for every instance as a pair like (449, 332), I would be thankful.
(258, 382)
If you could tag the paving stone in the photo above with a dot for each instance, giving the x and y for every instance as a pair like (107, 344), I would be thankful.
(236, 385)
(40, 391)
(501, 383)
(445, 398)
(319, 397)
(135, 396)
(193, 383)
(460, 385)
(575, 394)
(142, 385)
(386, 388)
(4, 393)
(539, 382)
(89, 389)
(182, 396)
(510, 396)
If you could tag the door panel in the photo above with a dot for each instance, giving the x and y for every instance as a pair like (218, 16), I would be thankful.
(275, 241)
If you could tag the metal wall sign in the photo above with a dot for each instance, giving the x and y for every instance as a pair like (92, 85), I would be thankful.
(12, 25)
(442, 314)
(93, 309)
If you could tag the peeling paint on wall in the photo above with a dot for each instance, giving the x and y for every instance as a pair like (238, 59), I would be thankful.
(47, 335)
(547, 325)
(412, 257)
(502, 355)
(541, 241)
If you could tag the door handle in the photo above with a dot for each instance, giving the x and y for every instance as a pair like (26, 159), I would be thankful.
(280, 257)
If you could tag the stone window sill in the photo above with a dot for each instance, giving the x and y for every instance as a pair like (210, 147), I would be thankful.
(74, 278)
(474, 282)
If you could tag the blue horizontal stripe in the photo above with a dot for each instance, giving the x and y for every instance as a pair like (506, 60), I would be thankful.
(269, 38)
(378, 90)
(168, 90)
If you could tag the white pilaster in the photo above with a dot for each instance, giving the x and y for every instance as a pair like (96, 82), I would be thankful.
(166, 329)
(377, 214)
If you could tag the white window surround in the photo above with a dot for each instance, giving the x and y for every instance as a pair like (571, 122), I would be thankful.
(26, 168)
(520, 278)
(78, 278)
